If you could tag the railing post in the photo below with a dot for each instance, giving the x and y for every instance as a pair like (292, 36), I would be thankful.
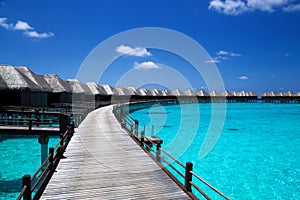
(30, 124)
(72, 128)
(51, 153)
(158, 146)
(61, 143)
(136, 124)
(26, 182)
(188, 176)
(142, 138)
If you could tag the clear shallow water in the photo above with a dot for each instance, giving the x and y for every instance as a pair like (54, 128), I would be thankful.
(257, 155)
(20, 155)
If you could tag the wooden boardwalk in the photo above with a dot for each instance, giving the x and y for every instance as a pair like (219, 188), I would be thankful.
(103, 162)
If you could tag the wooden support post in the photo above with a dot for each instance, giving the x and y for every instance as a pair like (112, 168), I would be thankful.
(188, 176)
(142, 138)
(51, 153)
(61, 143)
(136, 126)
(64, 121)
(30, 124)
(43, 140)
(26, 182)
(72, 128)
(158, 153)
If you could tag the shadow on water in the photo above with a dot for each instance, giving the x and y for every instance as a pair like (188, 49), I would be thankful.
(10, 186)
(232, 129)
(13, 136)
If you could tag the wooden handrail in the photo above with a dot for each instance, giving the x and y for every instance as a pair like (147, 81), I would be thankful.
(210, 186)
(199, 190)
(40, 168)
(22, 193)
(47, 168)
(188, 167)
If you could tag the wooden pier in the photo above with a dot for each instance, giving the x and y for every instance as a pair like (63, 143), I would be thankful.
(103, 162)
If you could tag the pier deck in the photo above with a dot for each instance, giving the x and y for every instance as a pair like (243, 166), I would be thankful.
(103, 162)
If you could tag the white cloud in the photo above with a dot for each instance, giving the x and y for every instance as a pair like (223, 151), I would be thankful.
(226, 53)
(213, 61)
(222, 55)
(145, 65)
(292, 8)
(228, 7)
(222, 52)
(237, 7)
(4, 24)
(23, 26)
(243, 77)
(137, 51)
(34, 34)
(266, 5)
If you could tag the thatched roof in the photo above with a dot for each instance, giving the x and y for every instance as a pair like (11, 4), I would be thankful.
(214, 93)
(57, 84)
(3, 85)
(202, 93)
(15, 80)
(189, 92)
(155, 92)
(37, 79)
(252, 94)
(118, 90)
(131, 91)
(287, 94)
(269, 94)
(164, 92)
(107, 89)
(176, 92)
(94, 88)
(78, 87)
(143, 92)
(226, 93)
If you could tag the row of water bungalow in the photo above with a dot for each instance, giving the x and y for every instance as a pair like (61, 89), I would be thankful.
(19, 86)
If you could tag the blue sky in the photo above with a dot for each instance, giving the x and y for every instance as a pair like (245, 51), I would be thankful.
(254, 43)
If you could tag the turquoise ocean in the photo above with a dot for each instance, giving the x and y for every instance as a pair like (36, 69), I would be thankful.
(257, 154)
(20, 155)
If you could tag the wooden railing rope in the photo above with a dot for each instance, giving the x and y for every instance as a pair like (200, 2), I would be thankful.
(148, 144)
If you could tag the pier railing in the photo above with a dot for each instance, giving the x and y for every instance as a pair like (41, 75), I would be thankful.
(14, 118)
(152, 145)
(33, 186)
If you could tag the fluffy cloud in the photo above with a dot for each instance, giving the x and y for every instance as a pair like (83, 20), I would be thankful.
(228, 7)
(145, 65)
(292, 8)
(266, 5)
(25, 27)
(226, 53)
(237, 7)
(34, 34)
(243, 77)
(137, 51)
(22, 26)
(4, 24)
(213, 61)
(222, 55)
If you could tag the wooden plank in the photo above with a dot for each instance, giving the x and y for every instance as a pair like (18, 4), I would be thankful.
(103, 162)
